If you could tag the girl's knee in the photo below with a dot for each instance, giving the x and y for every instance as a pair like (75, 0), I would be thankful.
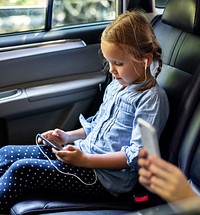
(5, 155)
(21, 165)
(6, 148)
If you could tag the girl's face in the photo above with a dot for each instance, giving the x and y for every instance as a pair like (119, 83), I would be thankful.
(125, 70)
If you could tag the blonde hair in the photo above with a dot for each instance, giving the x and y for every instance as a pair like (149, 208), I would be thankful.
(132, 32)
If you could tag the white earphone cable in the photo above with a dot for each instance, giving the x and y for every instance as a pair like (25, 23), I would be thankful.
(66, 173)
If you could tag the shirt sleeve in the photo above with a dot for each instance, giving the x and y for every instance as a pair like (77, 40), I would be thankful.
(154, 109)
(131, 152)
(89, 123)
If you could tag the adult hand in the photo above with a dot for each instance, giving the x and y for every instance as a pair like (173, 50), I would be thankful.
(144, 172)
(163, 178)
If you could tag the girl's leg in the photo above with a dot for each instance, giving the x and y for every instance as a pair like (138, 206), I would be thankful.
(38, 175)
(10, 154)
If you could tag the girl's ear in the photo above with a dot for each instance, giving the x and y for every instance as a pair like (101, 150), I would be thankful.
(148, 59)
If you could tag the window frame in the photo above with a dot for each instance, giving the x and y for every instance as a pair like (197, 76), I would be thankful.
(120, 5)
(30, 38)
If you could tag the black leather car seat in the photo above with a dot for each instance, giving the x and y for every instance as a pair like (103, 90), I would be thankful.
(189, 153)
(177, 31)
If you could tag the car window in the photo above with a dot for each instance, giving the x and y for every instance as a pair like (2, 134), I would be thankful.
(73, 12)
(160, 3)
(28, 15)
(22, 15)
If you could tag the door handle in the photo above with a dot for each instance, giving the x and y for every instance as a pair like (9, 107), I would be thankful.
(10, 94)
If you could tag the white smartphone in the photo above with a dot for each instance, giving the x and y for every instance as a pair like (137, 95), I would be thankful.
(149, 137)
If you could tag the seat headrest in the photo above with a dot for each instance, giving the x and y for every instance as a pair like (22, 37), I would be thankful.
(183, 14)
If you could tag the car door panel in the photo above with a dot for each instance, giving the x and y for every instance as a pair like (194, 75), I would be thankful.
(47, 86)
(30, 65)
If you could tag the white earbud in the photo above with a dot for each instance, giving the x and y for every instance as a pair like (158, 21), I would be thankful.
(145, 63)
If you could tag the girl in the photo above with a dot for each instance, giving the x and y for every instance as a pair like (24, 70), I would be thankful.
(101, 155)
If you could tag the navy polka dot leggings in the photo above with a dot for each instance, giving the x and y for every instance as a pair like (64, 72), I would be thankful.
(25, 169)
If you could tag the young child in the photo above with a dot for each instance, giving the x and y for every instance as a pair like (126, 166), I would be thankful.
(99, 159)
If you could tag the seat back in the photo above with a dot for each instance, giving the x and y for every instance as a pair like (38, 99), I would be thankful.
(189, 154)
(177, 31)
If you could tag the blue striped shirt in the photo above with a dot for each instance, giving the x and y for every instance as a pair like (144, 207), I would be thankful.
(114, 128)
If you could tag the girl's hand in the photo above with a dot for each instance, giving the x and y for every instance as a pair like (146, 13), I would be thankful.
(71, 155)
(56, 136)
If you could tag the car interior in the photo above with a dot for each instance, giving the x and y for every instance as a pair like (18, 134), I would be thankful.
(79, 80)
